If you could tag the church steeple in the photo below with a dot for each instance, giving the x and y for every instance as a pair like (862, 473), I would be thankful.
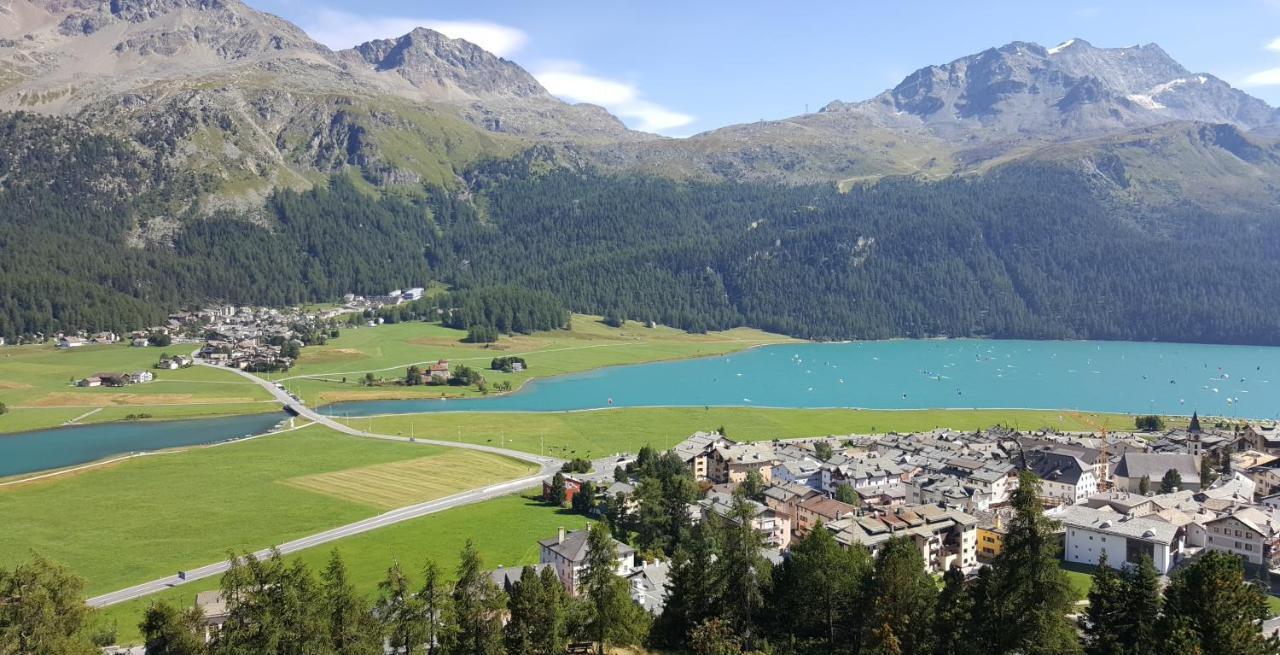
(1194, 428)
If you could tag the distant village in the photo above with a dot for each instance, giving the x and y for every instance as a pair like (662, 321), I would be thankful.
(1166, 495)
(255, 339)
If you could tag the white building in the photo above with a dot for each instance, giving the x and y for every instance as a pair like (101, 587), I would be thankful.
(568, 554)
(1091, 532)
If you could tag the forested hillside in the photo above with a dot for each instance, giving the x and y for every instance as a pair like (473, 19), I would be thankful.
(1028, 250)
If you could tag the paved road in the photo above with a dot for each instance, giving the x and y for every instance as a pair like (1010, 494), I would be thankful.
(547, 468)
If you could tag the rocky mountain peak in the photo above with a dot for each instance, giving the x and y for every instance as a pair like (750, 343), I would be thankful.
(1071, 90)
(434, 62)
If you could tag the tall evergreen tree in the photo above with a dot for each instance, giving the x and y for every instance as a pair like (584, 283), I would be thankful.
(614, 618)
(272, 609)
(551, 636)
(474, 624)
(1208, 605)
(352, 627)
(743, 571)
(953, 620)
(1104, 623)
(526, 603)
(400, 611)
(814, 600)
(433, 598)
(1023, 601)
(1142, 609)
(899, 599)
(693, 591)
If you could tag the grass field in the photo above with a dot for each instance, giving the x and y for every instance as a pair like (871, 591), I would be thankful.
(137, 520)
(37, 384)
(506, 531)
(387, 350)
(397, 484)
(605, 432)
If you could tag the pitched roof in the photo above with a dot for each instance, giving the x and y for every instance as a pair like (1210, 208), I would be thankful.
(1155, 465)
(574, 546)
(1098, 520)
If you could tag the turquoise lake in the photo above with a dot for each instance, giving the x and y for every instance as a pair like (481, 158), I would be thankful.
(1078, 375)
(1075, 375)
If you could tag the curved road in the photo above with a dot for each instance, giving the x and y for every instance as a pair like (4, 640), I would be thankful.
(547, 468)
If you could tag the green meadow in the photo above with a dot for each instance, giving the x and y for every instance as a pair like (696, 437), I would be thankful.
(605, 432)
(140, 519)
(506, 532)
(37, 384)
(334, 372)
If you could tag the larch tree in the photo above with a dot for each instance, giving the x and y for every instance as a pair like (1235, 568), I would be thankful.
(899, 601)
(474, 624)
(352, 627)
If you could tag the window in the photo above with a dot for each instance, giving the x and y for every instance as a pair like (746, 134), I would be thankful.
(1248, 547)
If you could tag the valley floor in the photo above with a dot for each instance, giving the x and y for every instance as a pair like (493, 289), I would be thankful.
(140, 519)
(37, 383)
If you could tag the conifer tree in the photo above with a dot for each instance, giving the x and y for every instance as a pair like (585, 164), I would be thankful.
(692, 591)
(1142, 608)
(352, 627)
(433, 598)
(615, 619)
(1208, 605)
(474, 623)
(42, 610)
(1104, 619)
(815, 594)
(168, 630)
(401, 614)
(1024, 599)
(899, 600)
(742, 570)
(525, 603)
(953, 619)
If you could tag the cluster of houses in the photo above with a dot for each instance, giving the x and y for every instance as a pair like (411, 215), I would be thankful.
(251, 338)
(394, 297)
(115, 379)
(1125, 495)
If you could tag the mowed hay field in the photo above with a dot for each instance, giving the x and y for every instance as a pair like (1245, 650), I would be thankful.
(37, 383)
(387, 351)
(397, 484)
(137, 520)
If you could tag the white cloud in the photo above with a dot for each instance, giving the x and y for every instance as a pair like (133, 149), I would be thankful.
(568, 81)
(339, 30)
(1274, 46)
(1268, 77)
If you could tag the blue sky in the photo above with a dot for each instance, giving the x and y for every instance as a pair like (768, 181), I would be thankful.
(684, 67)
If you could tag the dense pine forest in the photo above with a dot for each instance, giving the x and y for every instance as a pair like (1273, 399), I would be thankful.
(1026, 251)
